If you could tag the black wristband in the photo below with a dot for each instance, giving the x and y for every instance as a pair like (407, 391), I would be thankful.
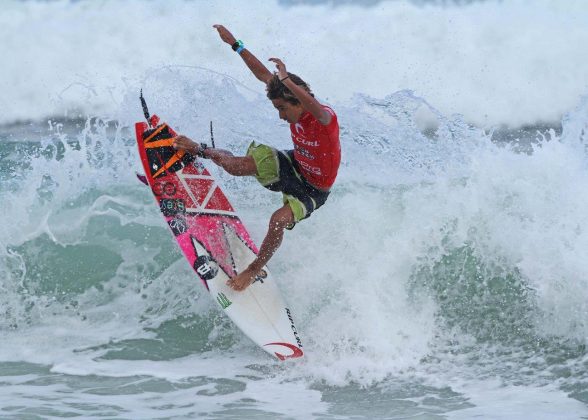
(238, 43)
(282, 80)
(201, 150)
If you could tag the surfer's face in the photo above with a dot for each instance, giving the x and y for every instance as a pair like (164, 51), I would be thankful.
(287, 110)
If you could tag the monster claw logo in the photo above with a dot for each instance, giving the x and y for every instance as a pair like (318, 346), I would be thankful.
(223, 300)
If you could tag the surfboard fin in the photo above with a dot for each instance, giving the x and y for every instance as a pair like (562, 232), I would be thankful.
(142, 178)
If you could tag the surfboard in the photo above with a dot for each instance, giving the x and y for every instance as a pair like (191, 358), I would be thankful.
(214, 240)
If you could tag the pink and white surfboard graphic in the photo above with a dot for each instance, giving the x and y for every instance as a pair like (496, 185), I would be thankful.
(214, 240)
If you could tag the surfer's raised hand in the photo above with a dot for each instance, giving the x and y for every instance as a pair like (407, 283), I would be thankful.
(309, 103)
(185, 143)
(225, 34)
(257, 68)
(282, 73)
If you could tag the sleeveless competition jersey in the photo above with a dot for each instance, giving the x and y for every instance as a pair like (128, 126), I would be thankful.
(316, 149)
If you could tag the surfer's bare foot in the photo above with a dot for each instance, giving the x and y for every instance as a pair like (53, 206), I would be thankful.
(242, 280)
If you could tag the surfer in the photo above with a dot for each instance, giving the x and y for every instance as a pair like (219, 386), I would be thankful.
(303, 175)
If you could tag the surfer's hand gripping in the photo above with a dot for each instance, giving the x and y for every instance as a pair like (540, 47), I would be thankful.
(282, 73)
(225, 35)
(242, 280)
(186, 144)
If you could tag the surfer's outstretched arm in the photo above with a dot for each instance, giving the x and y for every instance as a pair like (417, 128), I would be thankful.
(257, 68)
(235, 165)
(272, 241)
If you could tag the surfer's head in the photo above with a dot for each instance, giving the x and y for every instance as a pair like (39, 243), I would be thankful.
(284, 100)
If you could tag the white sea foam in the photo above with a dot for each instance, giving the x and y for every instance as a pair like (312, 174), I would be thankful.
(494, 400)
(516, 62)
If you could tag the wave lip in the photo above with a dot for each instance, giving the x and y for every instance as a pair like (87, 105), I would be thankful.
(494, 62)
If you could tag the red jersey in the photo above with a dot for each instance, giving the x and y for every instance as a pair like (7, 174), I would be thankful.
(317, 149)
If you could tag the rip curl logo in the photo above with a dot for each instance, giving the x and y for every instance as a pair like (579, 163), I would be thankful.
(296, 352)
(299, 129)
(312, 143)
(294, 330)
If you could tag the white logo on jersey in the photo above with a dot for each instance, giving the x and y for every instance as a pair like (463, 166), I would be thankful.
(313, 143)
(304, 152)
(309, 168)
(299, 128)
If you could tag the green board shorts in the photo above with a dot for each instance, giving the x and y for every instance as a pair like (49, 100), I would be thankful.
(278, 171)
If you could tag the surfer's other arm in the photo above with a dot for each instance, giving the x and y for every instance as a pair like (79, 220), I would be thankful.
(309, 103)
(257, 68)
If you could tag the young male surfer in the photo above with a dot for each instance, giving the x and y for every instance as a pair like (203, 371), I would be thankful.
(303, 175)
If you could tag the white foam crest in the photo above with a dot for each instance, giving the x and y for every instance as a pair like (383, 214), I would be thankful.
(353, 311)
(62, 193)
(85, 197)
(495, 62)
(346, 270)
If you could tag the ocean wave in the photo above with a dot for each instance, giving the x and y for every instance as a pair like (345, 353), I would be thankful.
(514, 63)
(437, 243)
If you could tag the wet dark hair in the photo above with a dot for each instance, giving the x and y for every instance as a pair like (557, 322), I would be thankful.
(277, 90)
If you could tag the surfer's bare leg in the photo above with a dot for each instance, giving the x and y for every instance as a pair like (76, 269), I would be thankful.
(273, 239)
(235, 165)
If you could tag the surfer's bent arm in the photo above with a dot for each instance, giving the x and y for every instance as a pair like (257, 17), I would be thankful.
(260, 71)
(235, 165)
(187, 144)
(308, 101)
